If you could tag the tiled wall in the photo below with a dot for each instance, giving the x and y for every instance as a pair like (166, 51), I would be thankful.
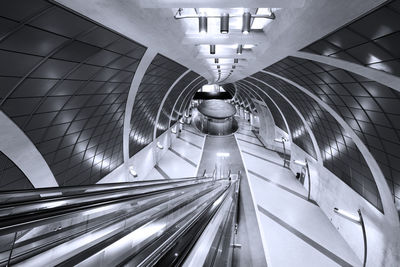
(371, 109)
(159, 76)
(339, 153)
(184, 100)
(170, 100)
(372, 41)
(64, 82)
(278, 119)
(11, 177)
(299, 134)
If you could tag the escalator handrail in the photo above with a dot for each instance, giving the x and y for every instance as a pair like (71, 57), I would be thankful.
(27, 221)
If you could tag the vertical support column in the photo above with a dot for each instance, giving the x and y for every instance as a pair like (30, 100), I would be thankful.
(19, 148)
(383, 188)
(140, 71)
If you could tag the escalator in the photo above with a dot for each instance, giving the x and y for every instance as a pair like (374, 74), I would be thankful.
(178, 222)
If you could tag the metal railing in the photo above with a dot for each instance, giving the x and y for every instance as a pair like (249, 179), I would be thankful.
(133, 224)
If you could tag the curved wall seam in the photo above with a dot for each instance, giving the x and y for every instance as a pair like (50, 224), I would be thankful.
(20, 149)
(250, 95)
(277, 107)
(387, 201)
(189, 96)
(306, 126)
(237, 95)
(382, 77)
(177, 99)
(244, 97)
(163, 102)
(137, 79)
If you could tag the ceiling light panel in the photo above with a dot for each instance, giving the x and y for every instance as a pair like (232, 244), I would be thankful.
(260, 23)
(191, 25)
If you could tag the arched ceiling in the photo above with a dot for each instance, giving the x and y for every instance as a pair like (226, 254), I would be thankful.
(298, 23)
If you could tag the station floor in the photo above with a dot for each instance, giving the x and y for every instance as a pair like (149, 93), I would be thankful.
(295, 231)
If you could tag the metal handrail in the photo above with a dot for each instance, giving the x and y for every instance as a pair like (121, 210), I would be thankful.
(15, 196)
(123, 208)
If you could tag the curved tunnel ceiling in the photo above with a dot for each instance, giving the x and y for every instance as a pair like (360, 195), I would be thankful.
(65, 81)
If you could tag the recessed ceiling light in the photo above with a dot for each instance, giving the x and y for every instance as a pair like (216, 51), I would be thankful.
(246, 23)
(212, 49)
(224, 26)
(202, 24)
(239, 49)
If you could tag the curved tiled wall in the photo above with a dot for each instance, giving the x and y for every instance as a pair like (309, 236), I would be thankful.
(257, 86)
(372, 41)
(11, 177)
(64, 82)
(183, 101)
(171, 98)
(339, 153)
(299, 134)
(371, 109)
(159, 76)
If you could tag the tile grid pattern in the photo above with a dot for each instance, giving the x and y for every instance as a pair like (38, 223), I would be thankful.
(171, 98)
(159, 77)
(372, 41)
(176, 112)
(230, 88)
(65, 82)
(248, 104)
(299, 134)
(339, 153)
(250, 94)
(189, 95)
(271, 106)
(371, 109)
(11, 177)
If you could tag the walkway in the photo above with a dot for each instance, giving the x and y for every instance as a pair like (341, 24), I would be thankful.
(296, 231)
(182, 158)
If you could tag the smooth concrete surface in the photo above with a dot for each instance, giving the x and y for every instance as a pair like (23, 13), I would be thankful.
(163, 102)
(330, 192)
(250, 84)
(222, 153)
(389, 208)
(137, 78)
(20, 149)
(304, 122)
(267, 124)
(181, 157)
(379, 76)
(297, 231)
(325, 188)
(142, 162)
(225, 3)
(175, 166)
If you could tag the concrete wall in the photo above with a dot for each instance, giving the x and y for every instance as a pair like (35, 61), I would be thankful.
(267, 125)
(330, 192)
(143, 161)
(19, 148)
